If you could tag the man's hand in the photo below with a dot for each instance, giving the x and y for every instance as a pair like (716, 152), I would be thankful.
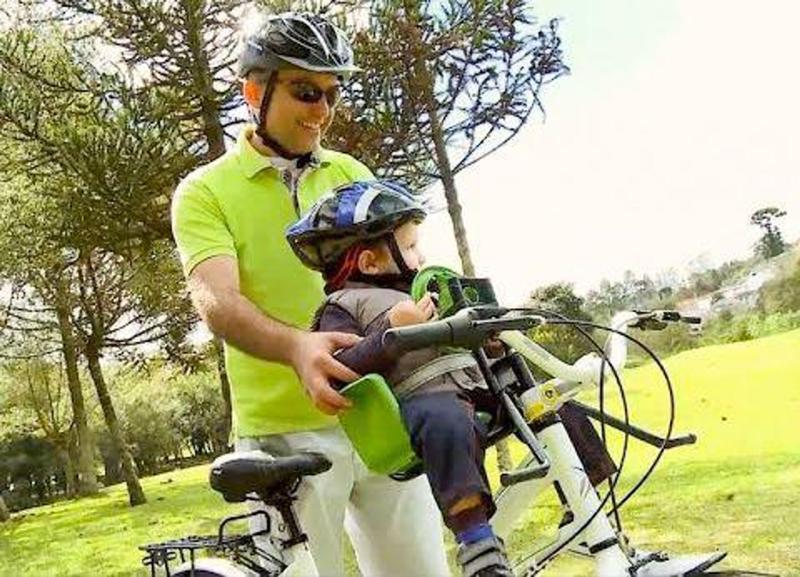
(408, 312)
(313, 361)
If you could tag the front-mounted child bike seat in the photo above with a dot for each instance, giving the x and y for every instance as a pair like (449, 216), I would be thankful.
(377, 432)
(375, 428)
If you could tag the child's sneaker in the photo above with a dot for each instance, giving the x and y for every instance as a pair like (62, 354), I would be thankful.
(484, 558)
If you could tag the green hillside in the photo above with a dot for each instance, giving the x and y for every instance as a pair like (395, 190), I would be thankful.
(737, 489)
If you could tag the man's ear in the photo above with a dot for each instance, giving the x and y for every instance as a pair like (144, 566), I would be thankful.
(252, 92)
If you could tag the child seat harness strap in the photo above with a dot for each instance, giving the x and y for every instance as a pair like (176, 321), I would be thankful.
(437, 367)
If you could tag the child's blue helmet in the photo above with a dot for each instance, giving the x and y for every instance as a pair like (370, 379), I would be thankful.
(352, 214)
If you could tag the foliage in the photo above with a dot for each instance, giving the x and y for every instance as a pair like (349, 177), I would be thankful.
(771, 242)
(710, 280)
(471, 72)
(565, 342)
(166, 416)
(180, 52)
(632, 292)
(781, 294)
(30, 465)
(101, 154)
(39, 387)
(729, 328)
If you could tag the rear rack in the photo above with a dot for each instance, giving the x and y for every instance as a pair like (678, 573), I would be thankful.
(238, 547)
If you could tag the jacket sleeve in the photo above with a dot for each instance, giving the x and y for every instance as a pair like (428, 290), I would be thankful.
(368, 355)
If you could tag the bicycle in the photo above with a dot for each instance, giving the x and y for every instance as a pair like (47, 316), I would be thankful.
(526, 408)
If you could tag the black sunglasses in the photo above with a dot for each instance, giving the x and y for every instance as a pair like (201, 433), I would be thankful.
(311, 93)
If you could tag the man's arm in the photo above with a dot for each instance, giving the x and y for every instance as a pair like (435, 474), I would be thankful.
(214, 288)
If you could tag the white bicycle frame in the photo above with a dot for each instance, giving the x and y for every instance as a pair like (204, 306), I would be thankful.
(566, 468)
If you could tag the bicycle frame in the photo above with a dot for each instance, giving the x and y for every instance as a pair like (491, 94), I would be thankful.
(590, 524)
(565, 468)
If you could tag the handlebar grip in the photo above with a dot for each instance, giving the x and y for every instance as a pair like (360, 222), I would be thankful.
(670, 316)
(692, 320)
(419, 336)
(468, 328)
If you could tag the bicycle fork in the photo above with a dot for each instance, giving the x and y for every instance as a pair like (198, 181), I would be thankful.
(567, 470)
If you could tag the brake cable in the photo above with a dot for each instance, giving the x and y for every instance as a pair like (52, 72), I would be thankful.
(612, 482)
(577, 325)
(670, 391)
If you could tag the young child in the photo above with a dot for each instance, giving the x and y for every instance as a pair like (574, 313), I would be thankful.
(364, 240)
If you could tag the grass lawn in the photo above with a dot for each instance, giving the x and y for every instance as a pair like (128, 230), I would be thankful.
(738, 489)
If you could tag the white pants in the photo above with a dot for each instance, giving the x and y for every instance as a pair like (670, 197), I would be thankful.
(395, 527)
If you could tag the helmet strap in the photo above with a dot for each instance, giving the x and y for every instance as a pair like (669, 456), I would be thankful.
(398, 257)
(347, 270)
(401, 280)
(261, 126)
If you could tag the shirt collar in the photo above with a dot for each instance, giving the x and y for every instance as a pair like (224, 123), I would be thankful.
(252, 161)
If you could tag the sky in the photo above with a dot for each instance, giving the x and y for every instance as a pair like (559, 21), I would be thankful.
(679, 119)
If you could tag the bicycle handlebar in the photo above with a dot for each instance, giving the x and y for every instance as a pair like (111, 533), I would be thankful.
(468, 328)
(658, 319)
(471, 327)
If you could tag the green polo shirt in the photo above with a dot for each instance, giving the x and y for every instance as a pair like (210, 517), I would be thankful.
(238, 205)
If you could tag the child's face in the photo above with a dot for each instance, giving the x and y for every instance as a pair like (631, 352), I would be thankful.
(407, 237)
(379, 260)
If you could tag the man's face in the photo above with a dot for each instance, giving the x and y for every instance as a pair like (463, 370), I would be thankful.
(295, 121)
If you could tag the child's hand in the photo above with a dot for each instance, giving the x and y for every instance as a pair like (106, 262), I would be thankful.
(408, 312)
(494, 348)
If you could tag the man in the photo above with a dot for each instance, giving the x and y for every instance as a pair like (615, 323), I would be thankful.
(229, 219)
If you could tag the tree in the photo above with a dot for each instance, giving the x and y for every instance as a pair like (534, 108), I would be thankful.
(469, 79)
(771, 242)
(96, 172)
(632, 292)
(122, 304)
(182, 50)
(40, 387)
(565, 342)
(38, 305)
(187, 52)
(474, 80)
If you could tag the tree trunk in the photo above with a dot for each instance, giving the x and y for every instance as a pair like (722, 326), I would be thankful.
(135, 492)
(87, 479)
(504, 462)
(112, 469)
(442, 160)
(5, 515)
(225, 389)
(72, 468)
(450, 192)
(70, 488)
(203, 81)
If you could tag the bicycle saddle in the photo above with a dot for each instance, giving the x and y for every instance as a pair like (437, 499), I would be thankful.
(237, 474)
